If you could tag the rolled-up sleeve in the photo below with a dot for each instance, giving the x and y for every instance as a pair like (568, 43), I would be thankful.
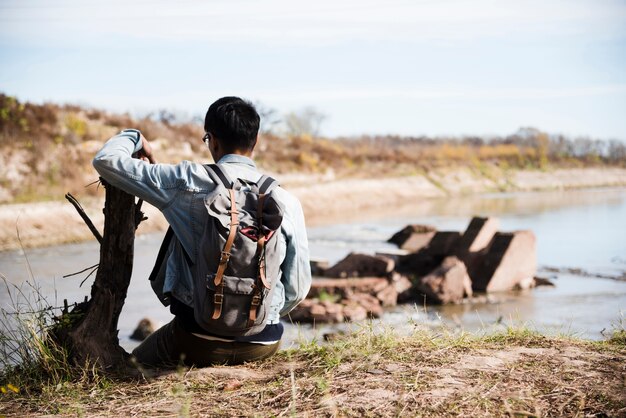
(296, 267)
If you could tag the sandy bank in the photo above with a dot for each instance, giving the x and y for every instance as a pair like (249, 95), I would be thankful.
(327, 201)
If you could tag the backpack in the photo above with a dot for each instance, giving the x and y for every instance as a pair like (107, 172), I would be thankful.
(238, 262)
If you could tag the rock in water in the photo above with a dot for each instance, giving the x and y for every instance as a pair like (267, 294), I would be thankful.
(511, 258)
(478, 235)
(361, 265)
(413, 237)
(448, 283)
(143, 330)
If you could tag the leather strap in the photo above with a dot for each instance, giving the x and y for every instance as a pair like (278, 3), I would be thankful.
(254, 306)
(256, 297)
(224, 257)
(261, 241)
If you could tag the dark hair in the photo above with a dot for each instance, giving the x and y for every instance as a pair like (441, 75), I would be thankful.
(234, 122)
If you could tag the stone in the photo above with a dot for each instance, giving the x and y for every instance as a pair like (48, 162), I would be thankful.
(400, 282)
(413, 237)
(370, 303)
(231, 385)
(443, 243)
(542, 281)
(393, 254)
(387, 296)
(312, 310)
(318, 266)
(525, 284)
(422, 262)
(403, 286)
(531, 282)
(354, 312)
(361, 265)
(344, 287)
(145, 327)
(418, 264)
(510, 259)
(448, 283)
(478, 235)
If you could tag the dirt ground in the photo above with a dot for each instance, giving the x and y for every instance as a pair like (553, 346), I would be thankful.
(519, 374)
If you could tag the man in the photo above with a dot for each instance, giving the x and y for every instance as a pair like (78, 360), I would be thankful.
(178, 191)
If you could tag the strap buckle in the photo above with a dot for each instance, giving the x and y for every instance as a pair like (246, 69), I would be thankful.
(224, 257)
(256, 300)
(218, 298)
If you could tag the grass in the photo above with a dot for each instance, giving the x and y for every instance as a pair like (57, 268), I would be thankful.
(370, 372)
(29, 358)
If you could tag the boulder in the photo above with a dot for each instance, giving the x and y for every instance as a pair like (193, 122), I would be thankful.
(312, 310)
(478, 235)
(403, 286)
(145, 327)
(342, 288)
(387, 296)
(400, 282)
(511, 258)
(318, 266)
(354, 312)
(542, 281)
(448, 283)
(370, 303)
(413, 237)
(393, 254)
(418, 264)
(361, 265)
(531, 282)
(443, 243)
(356, 307)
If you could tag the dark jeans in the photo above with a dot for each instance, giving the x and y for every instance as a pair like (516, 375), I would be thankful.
(170, 345)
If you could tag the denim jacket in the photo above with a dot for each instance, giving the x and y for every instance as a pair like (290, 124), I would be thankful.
(178, 191)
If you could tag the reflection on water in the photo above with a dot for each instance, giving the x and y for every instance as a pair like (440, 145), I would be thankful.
(574, 229)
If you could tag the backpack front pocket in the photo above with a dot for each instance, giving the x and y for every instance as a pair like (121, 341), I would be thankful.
(236, 302)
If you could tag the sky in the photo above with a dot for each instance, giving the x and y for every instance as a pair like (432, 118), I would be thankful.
(407, 67)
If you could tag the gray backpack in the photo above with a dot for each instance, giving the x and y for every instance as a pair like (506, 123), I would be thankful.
(238, 261)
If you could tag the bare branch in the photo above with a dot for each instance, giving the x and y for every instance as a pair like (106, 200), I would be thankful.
(83, 215)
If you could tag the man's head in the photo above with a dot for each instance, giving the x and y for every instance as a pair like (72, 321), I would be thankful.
(232, 125)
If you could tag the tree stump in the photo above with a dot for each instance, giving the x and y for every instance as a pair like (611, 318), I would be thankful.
(93, 337)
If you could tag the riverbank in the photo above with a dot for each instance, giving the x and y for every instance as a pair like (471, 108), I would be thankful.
(515, 373)
(48, 223)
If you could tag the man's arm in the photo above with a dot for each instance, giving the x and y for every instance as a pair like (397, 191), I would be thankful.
(157, 184)
(296, 267)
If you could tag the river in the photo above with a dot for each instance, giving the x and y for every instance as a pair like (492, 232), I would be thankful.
(582, 229)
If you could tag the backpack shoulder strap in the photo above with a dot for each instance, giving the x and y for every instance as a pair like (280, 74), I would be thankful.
(218, 175)
(267, 184)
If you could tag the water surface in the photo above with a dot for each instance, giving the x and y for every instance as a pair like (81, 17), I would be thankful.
(584, 229)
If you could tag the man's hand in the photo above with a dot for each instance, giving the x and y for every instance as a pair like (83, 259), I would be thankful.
(145, 153)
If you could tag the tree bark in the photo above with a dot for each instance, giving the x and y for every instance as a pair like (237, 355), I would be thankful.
(93, 339)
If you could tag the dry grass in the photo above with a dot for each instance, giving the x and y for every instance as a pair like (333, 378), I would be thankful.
(46, 150)
(518, 373)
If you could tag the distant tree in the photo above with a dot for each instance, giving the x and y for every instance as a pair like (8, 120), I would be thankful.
(616, 151)
(270, 118)
(307, 121)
